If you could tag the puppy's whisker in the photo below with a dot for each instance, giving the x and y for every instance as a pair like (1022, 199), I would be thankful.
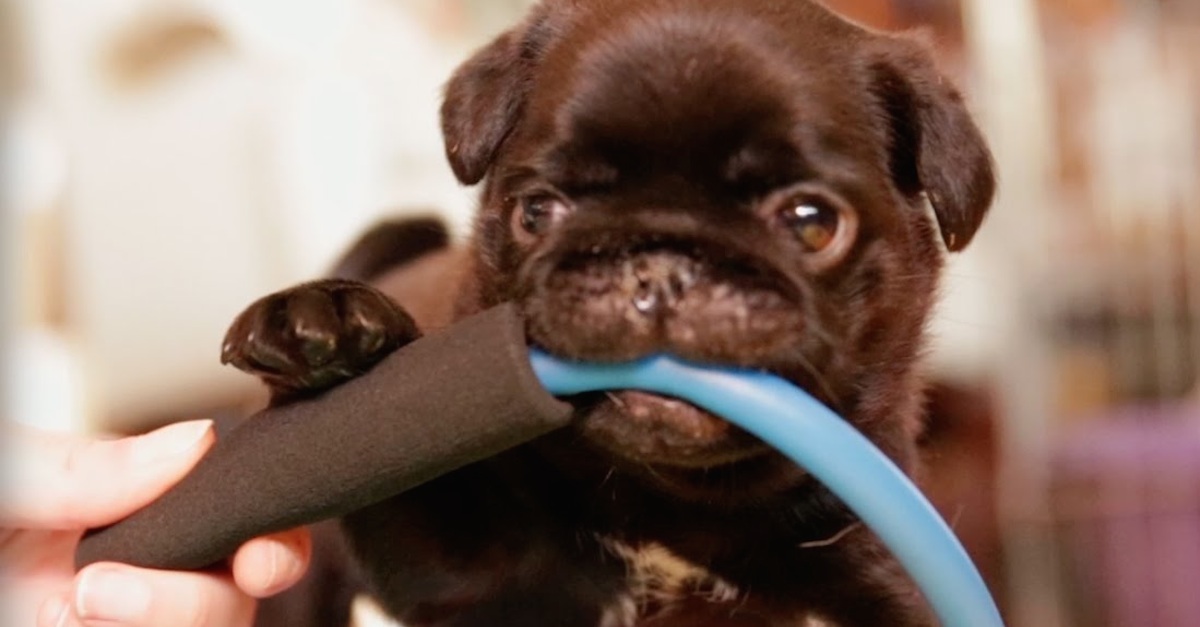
(653, 472)
(837, 537)
(821, 334)
(607, 476)
(616, 400)
(970, 324)
(958, 515)
(825, 387)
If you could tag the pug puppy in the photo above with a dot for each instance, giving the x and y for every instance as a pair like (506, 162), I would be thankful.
(735, 182)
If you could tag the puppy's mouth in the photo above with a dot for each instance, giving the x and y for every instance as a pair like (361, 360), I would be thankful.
(702, 303)
(661, 430)
(682, 449)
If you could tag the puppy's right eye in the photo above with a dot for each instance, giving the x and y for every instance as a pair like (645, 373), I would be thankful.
(539, 214)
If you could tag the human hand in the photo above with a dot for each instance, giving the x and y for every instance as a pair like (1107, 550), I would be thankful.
(61, 485)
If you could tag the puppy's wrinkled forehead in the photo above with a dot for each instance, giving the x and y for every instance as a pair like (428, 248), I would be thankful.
(711, 91)
(757, 93)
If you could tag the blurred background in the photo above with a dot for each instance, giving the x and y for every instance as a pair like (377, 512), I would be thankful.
(169, 161)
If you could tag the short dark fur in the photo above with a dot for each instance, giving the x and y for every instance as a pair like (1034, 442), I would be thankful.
(669, 125)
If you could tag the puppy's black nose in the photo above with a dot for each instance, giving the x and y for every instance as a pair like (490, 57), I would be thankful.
(658, 281)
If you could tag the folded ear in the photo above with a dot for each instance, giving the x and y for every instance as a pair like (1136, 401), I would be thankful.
(936, 148)
(481, 106)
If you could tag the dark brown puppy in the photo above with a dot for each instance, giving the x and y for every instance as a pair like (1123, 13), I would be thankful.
(733, 181)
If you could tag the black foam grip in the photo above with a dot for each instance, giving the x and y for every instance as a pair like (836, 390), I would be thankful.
(440, 403)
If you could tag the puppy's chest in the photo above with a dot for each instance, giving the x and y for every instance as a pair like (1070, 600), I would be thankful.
(661, 588)
(658, 582)
(664, 589)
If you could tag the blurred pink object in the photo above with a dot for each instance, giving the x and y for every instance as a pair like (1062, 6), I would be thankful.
(1126, 494)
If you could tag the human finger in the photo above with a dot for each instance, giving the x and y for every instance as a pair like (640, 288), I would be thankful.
(266, 566)
(110, 595)
(69, 482)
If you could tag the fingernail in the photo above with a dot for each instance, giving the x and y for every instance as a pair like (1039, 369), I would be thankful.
(170, 441)
(111, 595)
(266, 560)
(54, 612)
(64, 617)
(278, 555)
(275, 555)
(285, 567)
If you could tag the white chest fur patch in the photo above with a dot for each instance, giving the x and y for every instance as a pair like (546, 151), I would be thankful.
(366, 613)
(658, 578)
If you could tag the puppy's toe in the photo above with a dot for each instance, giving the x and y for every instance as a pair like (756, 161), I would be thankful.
(374, 325)
(314, 325)
(255, 344)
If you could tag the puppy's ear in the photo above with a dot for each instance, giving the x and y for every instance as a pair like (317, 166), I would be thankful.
(936, 147)
(482, 104)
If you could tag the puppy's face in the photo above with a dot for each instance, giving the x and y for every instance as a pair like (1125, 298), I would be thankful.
(736, 182)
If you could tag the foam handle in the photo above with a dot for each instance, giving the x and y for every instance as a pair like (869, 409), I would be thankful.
(440, 403)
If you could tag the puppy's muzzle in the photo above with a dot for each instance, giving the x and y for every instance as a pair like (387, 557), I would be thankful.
(621, 294)
(617, 294)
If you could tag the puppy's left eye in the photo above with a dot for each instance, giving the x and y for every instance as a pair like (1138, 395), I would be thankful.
(815, 224)
(537, 214)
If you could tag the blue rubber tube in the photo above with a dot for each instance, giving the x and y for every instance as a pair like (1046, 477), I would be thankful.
(817, 439)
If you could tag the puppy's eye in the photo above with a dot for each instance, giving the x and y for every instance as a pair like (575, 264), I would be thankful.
(538, 214)
(824, 229)
(814, 223)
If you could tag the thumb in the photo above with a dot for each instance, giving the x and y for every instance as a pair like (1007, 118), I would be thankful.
(67, 482)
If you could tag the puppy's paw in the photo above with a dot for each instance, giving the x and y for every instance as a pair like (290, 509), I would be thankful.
(314, 336)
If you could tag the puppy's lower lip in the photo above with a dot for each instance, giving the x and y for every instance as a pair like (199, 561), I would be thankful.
(676, 433)
(683, 416)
